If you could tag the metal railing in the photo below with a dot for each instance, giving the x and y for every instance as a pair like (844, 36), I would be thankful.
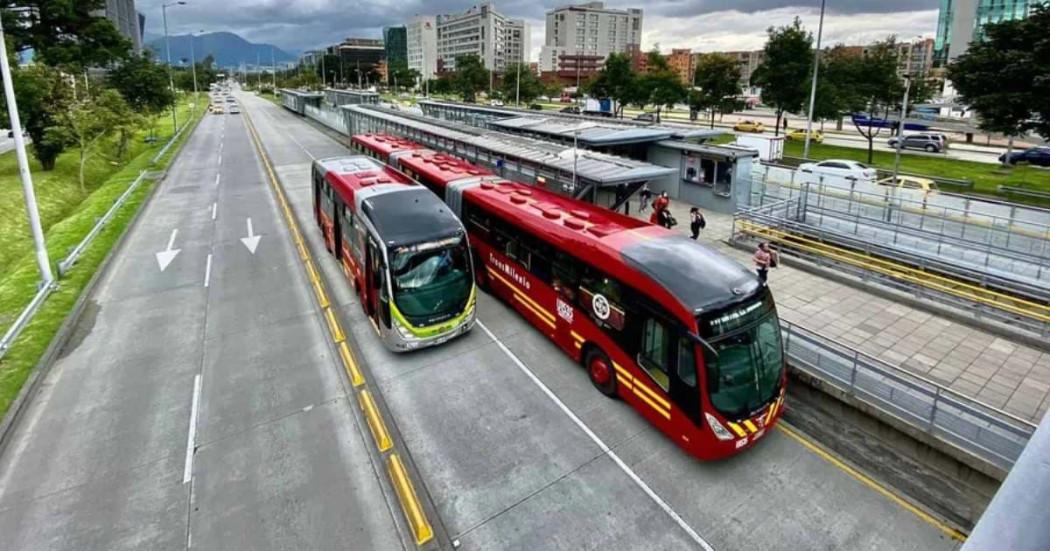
(990, 434)
(47, 287)
(928, 281)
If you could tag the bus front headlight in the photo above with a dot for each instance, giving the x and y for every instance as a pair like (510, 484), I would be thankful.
(720, 432)
(403, 331)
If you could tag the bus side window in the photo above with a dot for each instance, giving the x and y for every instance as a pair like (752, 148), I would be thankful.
(655, 352)
(687, 361)
(565, 275)
(477, 220)
(506, 242)
(538, 254)
(348, 220)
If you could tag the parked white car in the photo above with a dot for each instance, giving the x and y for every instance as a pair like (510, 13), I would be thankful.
(837, 172)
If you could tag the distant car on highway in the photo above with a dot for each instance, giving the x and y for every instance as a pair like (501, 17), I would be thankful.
(646, 117)
(572, 110)
(496, 103)
(841, 168)
(799, 135)
(536, 107)
(229, 99)
(217, 109)
(1038, 156)
(749, 126)
(235, 110)
(931, 143)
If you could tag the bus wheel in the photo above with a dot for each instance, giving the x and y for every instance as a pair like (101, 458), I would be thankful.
(601, 372)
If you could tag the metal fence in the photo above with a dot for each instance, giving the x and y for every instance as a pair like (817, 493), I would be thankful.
(988, 433)
(983, 295)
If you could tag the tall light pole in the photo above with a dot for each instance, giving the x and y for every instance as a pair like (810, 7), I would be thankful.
(42, 260)
(813, 86)
(273, 68)
(900, 130)
(167, 48)
(193, 67)
(517, 87)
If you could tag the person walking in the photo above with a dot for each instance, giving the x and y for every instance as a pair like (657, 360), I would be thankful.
(696, 222)
(659, 205)
(765, 258)
(644, 196)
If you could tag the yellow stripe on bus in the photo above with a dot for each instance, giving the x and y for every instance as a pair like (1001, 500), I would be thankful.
(750, 426)
(640, 390)
(736, 428)
(547, 317)
(540, 313)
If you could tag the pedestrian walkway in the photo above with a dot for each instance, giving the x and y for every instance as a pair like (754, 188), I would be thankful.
(995, 370)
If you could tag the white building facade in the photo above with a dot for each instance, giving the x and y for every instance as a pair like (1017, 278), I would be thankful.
(421, 38)
(482, 31)
(588, 29)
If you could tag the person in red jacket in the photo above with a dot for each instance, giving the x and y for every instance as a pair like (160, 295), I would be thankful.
(661, 203)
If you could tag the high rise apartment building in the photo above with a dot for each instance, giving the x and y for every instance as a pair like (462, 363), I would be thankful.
(126, 19)
(395, 42)
(747, 61)
(588, 30)
(482, 31)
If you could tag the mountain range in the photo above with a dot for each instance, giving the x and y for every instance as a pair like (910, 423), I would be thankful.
(228, 49)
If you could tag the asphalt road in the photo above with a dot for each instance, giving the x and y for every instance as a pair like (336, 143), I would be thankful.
(108, 456)
(518, 451)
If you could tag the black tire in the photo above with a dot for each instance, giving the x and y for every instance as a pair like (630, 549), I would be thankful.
(931, 148)
(608, 386)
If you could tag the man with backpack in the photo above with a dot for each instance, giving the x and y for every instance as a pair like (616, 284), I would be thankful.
(696, 222)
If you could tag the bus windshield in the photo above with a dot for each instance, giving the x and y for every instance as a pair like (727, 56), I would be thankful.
(747, 372)
(431, 281)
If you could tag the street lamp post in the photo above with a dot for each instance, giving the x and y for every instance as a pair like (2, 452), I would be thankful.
(193, 67)
(42, 260)
(900, 130)
(517, 87)
(273, 68)
(813, 86)
(167, 48)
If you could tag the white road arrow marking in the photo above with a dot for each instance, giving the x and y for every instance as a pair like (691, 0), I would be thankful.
(166, 256)
(252, 241)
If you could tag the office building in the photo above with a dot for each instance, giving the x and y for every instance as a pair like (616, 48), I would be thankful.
(128, 21)
(395, 41)
(915, 58)
(576, 33)
(485, 33)
(960, 22)
(421, 45)
(357, 56)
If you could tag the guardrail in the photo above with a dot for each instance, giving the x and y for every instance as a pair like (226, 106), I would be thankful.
(1025, 192)
(990, 434)
(47, 287)
(66, 263)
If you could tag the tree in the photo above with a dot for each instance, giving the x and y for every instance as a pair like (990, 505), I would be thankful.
(470, 77)
(1005, 78)
(398, 74)
(717, 85)
(92, 119)
(662, 88)
(42, 93)
(867, 84)
(519, 80)
(615, 80)
(63, 32)
(144, 85)
(785, 73)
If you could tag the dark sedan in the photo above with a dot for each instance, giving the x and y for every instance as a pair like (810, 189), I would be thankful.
(1038, 156)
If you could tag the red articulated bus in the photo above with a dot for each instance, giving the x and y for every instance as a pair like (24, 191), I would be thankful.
(684, 334)
(381, 146)
(402, 248)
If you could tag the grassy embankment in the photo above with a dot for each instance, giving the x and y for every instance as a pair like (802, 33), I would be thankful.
(67, 215)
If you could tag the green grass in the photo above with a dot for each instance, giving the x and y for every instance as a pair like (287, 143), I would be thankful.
(986, 177)
(18, 284)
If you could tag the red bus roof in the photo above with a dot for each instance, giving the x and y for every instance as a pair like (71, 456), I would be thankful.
(385, 144)
(440, 168)
(350, 174)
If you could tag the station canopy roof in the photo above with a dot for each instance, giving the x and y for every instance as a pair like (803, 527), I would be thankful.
(592, 131)
(591, 166)
(301, 93)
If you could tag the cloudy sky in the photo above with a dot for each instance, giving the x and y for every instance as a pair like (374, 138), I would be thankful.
(702, 25)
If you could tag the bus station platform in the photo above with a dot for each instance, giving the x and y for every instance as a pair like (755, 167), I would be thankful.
(996, 370)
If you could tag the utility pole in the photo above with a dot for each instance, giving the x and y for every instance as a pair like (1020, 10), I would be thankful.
(193, 67)
(167, 48)
(273, 67)
(324, 75)
(258, 71)
(813, 86)
(42, 260)
(900, 130)
(517, 87)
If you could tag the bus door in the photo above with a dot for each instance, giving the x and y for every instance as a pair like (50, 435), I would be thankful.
(378, 297)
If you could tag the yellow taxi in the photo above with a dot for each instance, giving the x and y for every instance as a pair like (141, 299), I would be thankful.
(925, 185)
(217, 109)
(749, 126)
(799, 134)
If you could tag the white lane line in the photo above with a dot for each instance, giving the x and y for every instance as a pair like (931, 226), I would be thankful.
(220, 158)
(214, 210)
(207, 271)
(191, 438)
(217, 176)
(311, 155)
(601, 444)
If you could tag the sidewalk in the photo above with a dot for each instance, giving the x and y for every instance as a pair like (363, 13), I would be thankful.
(995, 370)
